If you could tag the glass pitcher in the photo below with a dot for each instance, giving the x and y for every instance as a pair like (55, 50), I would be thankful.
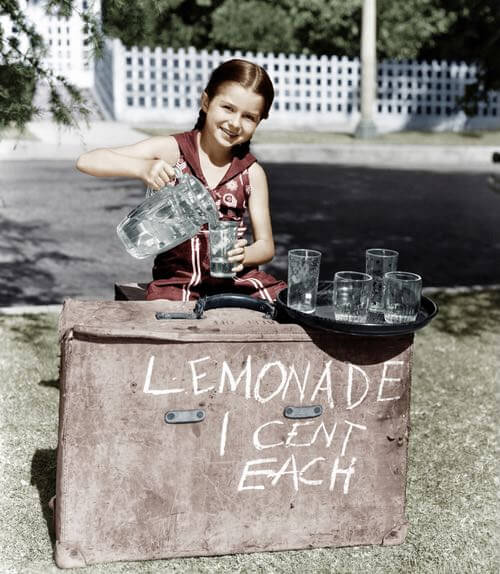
(167, 217)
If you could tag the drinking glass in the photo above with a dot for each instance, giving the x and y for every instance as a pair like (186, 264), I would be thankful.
(223, 236)
(303, 277)
(402, 294)
(378, 263)
(351, 296)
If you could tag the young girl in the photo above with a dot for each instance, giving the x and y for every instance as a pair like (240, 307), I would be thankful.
(238, 96)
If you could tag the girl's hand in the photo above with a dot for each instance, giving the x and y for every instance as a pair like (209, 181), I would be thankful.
(237, 255)
(157, 173)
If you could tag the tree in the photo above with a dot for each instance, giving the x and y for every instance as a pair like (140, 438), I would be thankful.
(333, 26)
(22, 67)
(406, 28)
(131, 26)
(329, 27)
(466, 30)
(256, 26)
(473, 36)
(168, 23)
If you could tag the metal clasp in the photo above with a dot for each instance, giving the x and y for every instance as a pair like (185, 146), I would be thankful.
(307, 412)
(180, 417)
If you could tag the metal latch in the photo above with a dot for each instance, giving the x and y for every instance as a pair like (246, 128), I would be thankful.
(196, 313)
(179, 417)
(307, 412)
(220, 301)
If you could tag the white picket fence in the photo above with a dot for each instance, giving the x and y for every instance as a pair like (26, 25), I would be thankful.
(141, 85)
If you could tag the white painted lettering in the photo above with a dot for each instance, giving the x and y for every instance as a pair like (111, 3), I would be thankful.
(305, 467)
(385, 379)
(301, 386)
(283, 470)
(327, 376)
(348, 434)
(293, 433)
(350, 404)
(197, 377)
(256, 441)
(147, 382)
(262, 472)
(233, 384)
(347, 471)
(223, 434)
(261, 376)
(329, 437)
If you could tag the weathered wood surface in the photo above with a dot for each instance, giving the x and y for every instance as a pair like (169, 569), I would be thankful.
(246, 478)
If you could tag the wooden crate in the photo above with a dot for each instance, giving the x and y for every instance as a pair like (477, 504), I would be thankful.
(247, 474)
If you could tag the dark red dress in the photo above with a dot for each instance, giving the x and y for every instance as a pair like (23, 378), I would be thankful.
(183, 273)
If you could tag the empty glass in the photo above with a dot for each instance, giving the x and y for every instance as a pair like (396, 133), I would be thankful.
(402, 294)
(378, 263)
(303, 276)
(351, 296)
(223, 236)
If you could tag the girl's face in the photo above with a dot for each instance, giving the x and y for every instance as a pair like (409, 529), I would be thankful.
(232, 114)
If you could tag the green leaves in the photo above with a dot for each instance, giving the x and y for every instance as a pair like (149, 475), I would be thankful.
(254, 26)
(63, 8)
(404, 28)
(66, 103)
(22, 67)
(329, 27)
(17, 88)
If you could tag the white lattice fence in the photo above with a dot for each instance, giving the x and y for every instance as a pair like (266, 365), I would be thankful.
(164, 86)
(426, 93)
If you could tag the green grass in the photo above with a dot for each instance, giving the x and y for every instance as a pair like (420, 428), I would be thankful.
(451, 490)
(268, 136)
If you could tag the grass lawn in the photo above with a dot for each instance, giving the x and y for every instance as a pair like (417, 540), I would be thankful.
(451, 491)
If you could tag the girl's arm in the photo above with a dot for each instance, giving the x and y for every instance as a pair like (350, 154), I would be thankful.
(150, 160)
(262, 249)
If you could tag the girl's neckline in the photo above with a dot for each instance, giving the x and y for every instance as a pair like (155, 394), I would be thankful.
(187, 142)
(224, 170)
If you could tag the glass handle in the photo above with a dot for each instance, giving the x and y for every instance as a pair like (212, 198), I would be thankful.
(178, 175)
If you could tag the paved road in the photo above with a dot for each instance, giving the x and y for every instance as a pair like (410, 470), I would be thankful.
(57, 226)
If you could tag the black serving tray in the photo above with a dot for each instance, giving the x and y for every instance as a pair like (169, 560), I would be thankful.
(324, 318)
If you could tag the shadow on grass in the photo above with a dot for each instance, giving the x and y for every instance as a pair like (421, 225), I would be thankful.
(43, 476)
(52, 383)
(27, 247)
(17, 279)
(468, 314)
(34, 330)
